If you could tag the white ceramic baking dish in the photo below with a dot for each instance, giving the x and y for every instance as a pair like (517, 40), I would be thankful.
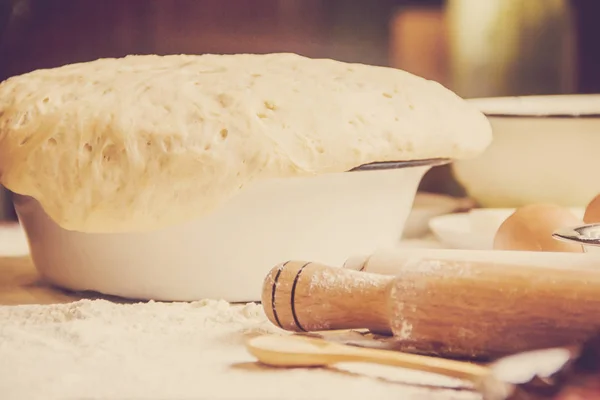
(227, 254)
(545, 150)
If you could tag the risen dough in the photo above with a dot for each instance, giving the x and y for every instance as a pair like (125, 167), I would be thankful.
(142, 142)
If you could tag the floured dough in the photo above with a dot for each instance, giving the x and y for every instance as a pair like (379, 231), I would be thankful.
(142, 142)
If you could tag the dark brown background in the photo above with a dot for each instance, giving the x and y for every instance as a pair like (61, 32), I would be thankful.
(51, 33)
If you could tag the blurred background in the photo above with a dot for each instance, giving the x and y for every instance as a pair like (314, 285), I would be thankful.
(477, 48)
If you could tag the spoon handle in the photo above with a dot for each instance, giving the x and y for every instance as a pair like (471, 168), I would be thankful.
(302, 351)
(451, 368)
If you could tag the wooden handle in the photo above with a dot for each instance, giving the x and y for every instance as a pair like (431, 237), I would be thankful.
(304, 296)
(302, 351)
(482, 309)
(451, 368)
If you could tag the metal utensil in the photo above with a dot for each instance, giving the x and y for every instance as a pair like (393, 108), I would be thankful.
(587, 235)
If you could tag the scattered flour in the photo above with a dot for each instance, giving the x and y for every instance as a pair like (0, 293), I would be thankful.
(96, 349)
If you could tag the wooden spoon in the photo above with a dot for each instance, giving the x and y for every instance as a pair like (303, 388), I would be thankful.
(301, 351)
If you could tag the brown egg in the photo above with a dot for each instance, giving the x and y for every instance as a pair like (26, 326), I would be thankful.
(592, 211)
(530, 228)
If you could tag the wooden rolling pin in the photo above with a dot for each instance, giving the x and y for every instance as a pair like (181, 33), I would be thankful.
(393, 261)
(472, 309)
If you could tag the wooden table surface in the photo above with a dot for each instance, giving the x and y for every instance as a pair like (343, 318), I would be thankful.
(21, 284)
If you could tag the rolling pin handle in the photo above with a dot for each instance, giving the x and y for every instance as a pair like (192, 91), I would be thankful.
(303, 296)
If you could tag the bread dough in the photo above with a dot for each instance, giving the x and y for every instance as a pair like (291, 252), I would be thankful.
(143, 142)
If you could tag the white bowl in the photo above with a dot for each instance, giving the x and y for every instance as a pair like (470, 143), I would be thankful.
(476, 229)
(545, 149)
(227, 254)
(429, 205)
(473, 230)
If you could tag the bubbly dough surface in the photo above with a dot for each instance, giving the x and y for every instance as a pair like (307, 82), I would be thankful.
(142, 142)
